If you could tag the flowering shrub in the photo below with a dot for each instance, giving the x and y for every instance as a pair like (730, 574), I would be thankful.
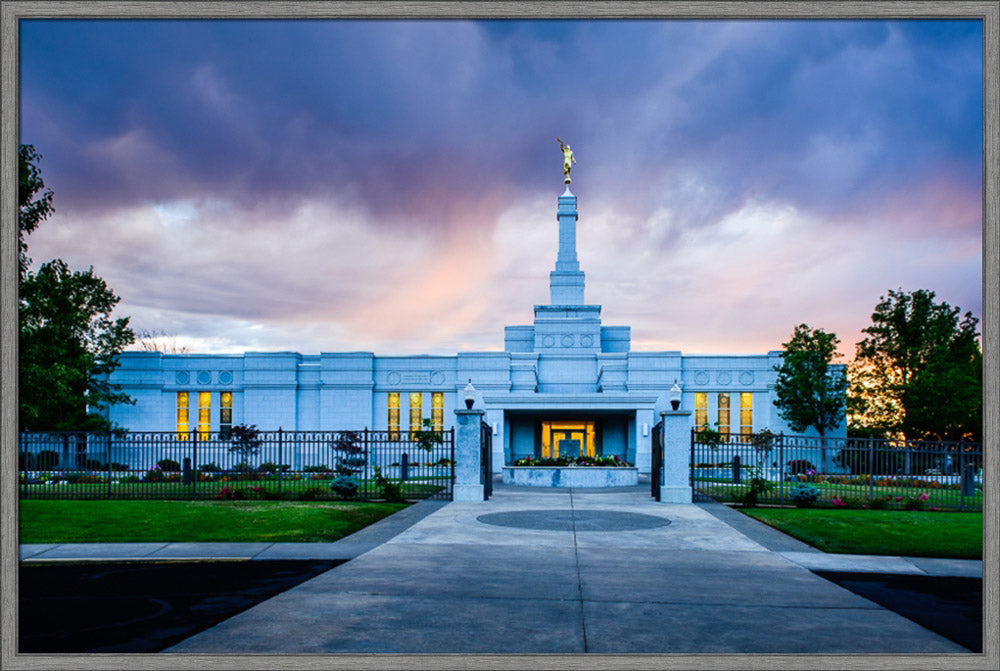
(915, 503)
(603, 461)
(879, 502)
(231, 494)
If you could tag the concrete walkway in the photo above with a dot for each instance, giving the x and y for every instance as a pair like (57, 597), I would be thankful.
(544, 571)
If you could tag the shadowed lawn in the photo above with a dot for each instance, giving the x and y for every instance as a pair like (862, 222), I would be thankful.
(195, 521)
(880, 532)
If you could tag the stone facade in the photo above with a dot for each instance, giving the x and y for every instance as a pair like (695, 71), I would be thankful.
(564, 382)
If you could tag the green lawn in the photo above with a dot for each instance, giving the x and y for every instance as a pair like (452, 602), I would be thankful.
(195, 521)
(880, 532)
(414, 488)
(945, 499)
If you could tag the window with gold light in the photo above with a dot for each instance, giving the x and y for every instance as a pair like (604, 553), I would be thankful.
(394, 415)
(701, 410)
(183, 415)
(204, 414)
(225, 414)
(723, 415)
(746, 413)
(437, 411)
(416, 400)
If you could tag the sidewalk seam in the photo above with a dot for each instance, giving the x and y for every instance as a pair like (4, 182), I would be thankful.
(579, 577)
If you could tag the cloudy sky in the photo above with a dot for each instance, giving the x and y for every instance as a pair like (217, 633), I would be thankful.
(391, 186)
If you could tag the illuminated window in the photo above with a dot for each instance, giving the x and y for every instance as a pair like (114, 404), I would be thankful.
(394, 415)
(225, 414)
(204, 414)
(437, 410)
(701, 410)
(183, 406)
(723, 421)
(746, 413)
(416, 398)
(570, 439)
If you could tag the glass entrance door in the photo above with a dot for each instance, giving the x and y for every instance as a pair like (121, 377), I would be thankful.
(568, 439)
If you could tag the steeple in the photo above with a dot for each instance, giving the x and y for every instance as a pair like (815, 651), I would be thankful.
(567, 280)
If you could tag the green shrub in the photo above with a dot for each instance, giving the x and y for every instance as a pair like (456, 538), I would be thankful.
(757, 487)
(271, 467)
(803, 495)
(345, 487)
(46, 459)
(915, 502)
(310, 493)
(853, 502)
(321, 468)
(390, 491)
(232, 494)
(210, 467)
(168, 465)
(879, 502)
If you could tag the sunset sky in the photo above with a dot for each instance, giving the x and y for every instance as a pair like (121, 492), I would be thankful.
(391, 186)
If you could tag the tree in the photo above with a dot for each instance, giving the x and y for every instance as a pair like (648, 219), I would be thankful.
(810, 388)
(69, 343)
(159, 341)
(32, 210)
(246, 444)
(919, 371)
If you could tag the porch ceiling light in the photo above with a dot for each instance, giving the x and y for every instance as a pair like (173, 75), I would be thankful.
(675, 396)
(470, 395)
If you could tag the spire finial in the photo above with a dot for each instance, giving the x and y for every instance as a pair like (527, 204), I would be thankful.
(568, 159)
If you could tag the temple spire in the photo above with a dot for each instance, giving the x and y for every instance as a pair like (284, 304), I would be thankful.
(566, 281)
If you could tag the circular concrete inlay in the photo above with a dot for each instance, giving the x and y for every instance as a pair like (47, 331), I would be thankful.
(569, 520)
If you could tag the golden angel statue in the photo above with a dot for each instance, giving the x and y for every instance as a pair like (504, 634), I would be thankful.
(568, 159)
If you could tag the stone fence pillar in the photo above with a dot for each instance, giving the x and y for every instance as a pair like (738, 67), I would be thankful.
(676, 487)
(468, 455)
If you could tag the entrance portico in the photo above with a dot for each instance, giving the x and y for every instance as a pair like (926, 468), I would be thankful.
(546, 425)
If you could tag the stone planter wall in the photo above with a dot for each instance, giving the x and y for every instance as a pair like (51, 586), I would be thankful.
(570, 476)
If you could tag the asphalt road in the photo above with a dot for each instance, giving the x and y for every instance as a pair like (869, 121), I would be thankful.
(146, 607)
(142, 606)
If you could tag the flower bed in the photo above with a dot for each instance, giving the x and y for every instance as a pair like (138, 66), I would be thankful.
(613, 461)
(571, 472)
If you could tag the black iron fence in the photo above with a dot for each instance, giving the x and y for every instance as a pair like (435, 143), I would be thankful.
(269, 465)
(838, 472)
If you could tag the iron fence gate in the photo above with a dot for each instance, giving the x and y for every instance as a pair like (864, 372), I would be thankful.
(656, 466)
(839, 472)
(486, 459)
(270, 464)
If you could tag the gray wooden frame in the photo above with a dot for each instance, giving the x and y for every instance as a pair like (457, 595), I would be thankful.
(11, 12)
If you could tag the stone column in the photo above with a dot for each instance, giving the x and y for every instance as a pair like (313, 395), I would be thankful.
(467, 455)
(676, 486)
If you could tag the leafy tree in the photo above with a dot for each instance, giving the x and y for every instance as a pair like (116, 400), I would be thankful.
(69, 344)
(810, 388)
(246, 443)
(34, 201)
(427, 438)
(68, 341)
(919, 371)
